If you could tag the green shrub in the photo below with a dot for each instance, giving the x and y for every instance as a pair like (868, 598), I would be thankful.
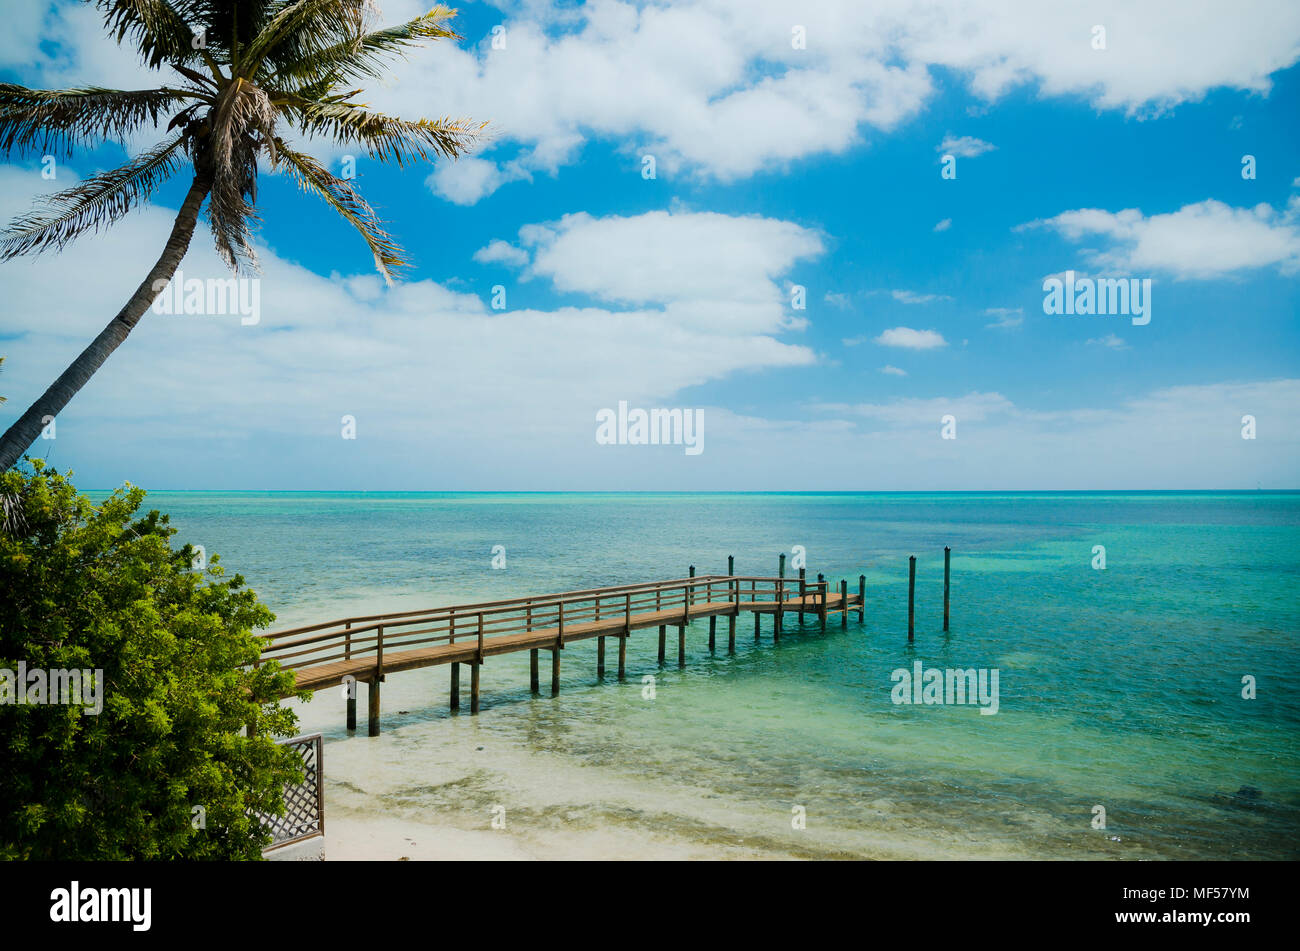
(86, 587)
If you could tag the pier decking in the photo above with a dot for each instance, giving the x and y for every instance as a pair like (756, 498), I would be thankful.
(366, 649)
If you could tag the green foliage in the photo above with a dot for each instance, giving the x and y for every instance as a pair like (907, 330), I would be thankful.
(82, 588)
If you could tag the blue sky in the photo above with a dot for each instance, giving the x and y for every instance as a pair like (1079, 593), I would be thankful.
(775, 167)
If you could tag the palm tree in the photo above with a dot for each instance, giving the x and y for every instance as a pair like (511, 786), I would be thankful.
(242, 69)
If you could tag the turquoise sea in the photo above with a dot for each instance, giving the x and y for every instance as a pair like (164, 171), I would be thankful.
(1119, 688)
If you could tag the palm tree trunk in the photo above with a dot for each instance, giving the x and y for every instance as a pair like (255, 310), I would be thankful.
(23, 433)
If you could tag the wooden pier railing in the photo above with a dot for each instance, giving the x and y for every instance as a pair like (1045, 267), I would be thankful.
(366, 649)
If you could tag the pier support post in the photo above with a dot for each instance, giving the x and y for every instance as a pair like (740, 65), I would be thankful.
(803, 593)
(373, 702)
(713, 632)
(473, 687)
(533, 684)
(681, 645)
(352, 706)
(455, 686)
(780, 604)
(600, 657)
(780, 566)
(862, 597)
(755, 625)
(947, 556)
(844, 603)
(555, 671)
(663, 643)
(821, 596)
(911, 597)
(735, 611)
(622, 656)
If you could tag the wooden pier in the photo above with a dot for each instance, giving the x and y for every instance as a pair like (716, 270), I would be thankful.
(366, 649)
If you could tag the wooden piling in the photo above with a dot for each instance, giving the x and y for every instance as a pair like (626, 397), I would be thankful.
(455, 687)
(533, 683)
(947, 557)
(821, 600)
(373, 698)
(844, 603)
(862, 597)
(663, 643)
(911, 597)
(473, 687)
(780, 604)
(600, 657)
(352, 707)
(732, 589)
(555, 671)
(681, 645)
(803, 593)
(622, 656)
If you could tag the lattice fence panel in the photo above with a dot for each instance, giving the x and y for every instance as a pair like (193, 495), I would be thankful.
(304, 814)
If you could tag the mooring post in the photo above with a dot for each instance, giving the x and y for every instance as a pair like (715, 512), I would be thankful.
(663, 643)
(533, 684)
(555, 655)
(600, 657)
(780, 566)
(803, 592)
(352, 705)
(844, 602)
(713, 632)
(862, 597)
(681, 645)
(474, 671)
(735, 611)
(911, 597)
(690, 593)
(821, 601)
(627, 631)
(373, 699)
(455, 686)
(947, 556)
(780, 603)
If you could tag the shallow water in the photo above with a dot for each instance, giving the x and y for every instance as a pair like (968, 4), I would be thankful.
(1119, 687)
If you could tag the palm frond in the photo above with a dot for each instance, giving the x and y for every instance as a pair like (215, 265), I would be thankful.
(384, 137)
(243, 123)
(93, 204)
(302, 27)
(156, 28)
(365, 55)
(59, 120)
(347, 201)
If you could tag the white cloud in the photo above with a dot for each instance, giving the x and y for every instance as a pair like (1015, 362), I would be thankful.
(893, 371)
(701, 267)
(1110, 341)
(910, 297)
(1204, 240)
(965, 146)
(501, 252)
(943, 225)
(911, 339)
(1007, 317)
(716, 90)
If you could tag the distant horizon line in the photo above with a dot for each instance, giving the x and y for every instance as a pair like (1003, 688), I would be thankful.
(1201, 491)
